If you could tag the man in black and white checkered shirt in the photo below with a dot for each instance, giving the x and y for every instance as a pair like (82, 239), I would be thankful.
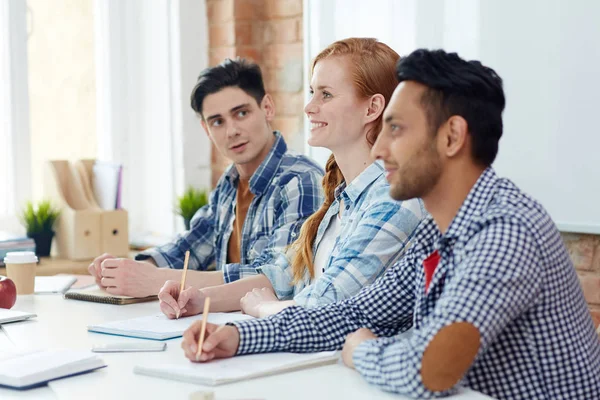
(487, 286)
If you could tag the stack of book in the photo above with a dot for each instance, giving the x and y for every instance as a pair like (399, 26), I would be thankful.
(11, 242)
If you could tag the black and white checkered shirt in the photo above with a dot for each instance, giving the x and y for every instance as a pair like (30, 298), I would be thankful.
(503, 268)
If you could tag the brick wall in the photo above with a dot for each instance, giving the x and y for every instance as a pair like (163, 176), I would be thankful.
(585, 253)
(270, 33)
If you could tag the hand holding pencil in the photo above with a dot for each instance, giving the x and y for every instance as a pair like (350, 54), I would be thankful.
(176, 301)
(220, 341)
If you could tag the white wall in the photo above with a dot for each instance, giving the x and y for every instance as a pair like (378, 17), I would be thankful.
(547, 52)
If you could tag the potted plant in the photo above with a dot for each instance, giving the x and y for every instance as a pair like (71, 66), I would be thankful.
(39, 221)
(187, 204)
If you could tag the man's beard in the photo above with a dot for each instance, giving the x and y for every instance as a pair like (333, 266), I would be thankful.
(418, 176)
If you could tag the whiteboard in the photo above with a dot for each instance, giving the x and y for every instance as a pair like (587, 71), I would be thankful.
(548, 54)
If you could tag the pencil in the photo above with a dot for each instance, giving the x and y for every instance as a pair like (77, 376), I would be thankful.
(203, 327)
(185, 266)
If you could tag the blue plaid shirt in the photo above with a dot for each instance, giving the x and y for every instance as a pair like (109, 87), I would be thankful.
(503, 268)
(373, 234)
(287, 190)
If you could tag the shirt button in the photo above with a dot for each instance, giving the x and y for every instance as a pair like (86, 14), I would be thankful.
(293, 234)
(347, 207)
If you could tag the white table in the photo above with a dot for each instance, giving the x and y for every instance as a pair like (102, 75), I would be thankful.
(62, 323)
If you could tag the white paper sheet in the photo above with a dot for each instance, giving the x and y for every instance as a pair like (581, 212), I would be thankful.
(105, 183)
(53, 284)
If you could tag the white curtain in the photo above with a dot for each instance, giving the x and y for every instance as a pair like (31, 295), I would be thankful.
(148, 56)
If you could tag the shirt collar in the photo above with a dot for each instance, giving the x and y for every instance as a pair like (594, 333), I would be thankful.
(266, 171)
(476, 202)
(360, 183)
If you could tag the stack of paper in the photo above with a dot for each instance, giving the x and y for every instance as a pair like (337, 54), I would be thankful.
(106, 184)
(10, 242)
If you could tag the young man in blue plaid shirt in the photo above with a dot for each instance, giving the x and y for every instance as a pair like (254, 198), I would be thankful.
(255, 211)
(488, 286)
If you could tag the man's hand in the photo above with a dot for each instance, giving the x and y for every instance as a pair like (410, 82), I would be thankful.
(352, 341)
(174, 304)
(220, 341)
(125, 277)
(252, 301)
(95, 268)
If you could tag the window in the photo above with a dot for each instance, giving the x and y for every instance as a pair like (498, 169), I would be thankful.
(62, 84)
(107, 79)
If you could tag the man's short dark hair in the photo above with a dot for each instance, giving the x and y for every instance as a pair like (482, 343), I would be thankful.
(237, 73)
(459, 87)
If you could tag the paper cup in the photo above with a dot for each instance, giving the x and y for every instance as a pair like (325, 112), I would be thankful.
(20, 268)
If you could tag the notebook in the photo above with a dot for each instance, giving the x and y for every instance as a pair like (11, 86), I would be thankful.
(7, 316)
(27, 369)
(219, 372)
(53, 284)
(159, 327)
(97, 295)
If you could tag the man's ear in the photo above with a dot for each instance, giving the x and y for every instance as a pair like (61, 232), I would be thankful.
(204, 126)
(375, 107)
(268, 106)
(455, 132)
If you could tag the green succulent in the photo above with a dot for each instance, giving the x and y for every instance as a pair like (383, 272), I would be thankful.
(192, 200)
(39, 219)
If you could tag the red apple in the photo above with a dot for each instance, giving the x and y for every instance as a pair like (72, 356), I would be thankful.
(8, 292)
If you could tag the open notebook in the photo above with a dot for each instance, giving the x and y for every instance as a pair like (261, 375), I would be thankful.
(236, 369)
(97, 295)
(7, 316)
(159, 327)
(27, 369)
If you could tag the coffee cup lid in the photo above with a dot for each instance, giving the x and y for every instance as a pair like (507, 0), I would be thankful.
(20, 257)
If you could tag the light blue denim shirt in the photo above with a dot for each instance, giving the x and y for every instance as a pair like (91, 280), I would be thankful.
(374, 233)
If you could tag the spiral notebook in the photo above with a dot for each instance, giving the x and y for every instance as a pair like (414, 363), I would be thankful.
(97, 295)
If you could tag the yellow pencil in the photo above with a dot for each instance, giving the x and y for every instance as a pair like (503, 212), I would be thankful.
(203, 327)
(185, 267)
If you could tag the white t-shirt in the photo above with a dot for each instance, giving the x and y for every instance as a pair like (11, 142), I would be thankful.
(326, 246)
